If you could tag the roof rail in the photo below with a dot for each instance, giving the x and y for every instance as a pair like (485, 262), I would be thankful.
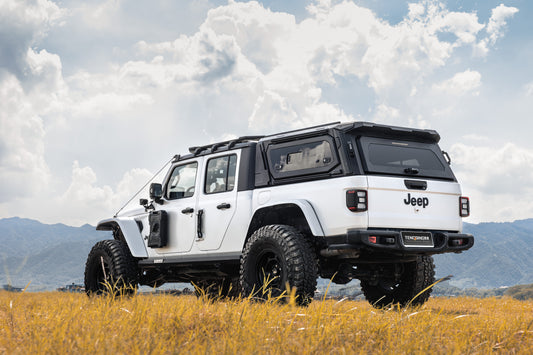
(230, 144)
(302, 129)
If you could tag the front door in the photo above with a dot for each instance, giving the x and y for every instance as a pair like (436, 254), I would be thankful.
(218, 199)
(179, 201)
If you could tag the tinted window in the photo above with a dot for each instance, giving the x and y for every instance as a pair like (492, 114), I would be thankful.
(312, 156)
(182, 181)
(220, 174)
(397, 157)
(400, 156)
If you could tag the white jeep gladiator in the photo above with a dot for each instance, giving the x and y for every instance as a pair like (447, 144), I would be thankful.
(260, 215)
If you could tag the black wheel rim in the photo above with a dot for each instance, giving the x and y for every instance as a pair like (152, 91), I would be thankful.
(270, 270)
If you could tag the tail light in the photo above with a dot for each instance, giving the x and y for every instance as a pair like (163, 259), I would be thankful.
(464, 206)
(357, 200)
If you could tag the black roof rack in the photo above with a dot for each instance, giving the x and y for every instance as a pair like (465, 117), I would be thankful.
(229, 144)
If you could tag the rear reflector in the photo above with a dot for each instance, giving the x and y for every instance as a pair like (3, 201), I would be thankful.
(464, 206)
(357, 200)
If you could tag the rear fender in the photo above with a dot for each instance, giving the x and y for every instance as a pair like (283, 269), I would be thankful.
(307, 210)
(129, 231)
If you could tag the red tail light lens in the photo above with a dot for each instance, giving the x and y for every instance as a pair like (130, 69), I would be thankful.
(464, 206)
(357, 200)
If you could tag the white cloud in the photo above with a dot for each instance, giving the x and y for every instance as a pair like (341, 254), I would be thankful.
(21, 24)
(498, 20)
(244, 69)
(529, 89)
(89, 202)
(23, 170)
(497, 178)
(461, 83)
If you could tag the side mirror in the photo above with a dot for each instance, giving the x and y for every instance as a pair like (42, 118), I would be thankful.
(156, 192)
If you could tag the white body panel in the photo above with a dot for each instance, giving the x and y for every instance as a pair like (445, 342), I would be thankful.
(387, 207)
(326, 198)
(130, 230)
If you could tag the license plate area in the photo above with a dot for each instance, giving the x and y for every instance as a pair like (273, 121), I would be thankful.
(417, 239)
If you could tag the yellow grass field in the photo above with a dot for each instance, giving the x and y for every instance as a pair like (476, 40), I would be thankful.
(61, 323)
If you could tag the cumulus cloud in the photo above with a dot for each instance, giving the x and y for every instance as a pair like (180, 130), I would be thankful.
(23, 170)
(21, 24)
(496, 176)
(89, 202)
(461, 83)
(244, 69)
(498, 20)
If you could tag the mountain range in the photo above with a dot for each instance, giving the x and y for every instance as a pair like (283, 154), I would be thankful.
(54, 255)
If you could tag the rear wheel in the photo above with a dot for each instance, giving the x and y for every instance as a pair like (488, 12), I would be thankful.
(110, 268)
(277, 256)
(412, 279)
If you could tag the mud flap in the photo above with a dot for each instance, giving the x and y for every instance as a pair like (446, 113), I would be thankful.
(158, 229)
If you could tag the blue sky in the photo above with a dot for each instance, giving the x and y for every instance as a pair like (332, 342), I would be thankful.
(96, 95)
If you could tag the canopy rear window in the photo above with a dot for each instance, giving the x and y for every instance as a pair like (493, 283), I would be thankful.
(404, 158)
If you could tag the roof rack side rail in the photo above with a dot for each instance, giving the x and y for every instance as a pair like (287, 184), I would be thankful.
(303, 129)
(230, 143)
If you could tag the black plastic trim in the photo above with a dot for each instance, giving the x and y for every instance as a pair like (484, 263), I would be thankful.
(359, 239)
(246, 174)
(184, 259)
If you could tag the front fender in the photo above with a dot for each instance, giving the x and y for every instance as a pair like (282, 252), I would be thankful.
(130, 231)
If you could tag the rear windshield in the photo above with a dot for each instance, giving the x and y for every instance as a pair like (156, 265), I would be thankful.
(403, 158)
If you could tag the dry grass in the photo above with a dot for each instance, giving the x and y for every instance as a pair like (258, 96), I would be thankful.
(59, 323)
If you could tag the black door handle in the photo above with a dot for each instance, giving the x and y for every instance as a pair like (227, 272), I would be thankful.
(187, 210)
(199, 232)
(223, 206)
(416, 184)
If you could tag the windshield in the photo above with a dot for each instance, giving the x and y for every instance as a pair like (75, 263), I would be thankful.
(397, 157)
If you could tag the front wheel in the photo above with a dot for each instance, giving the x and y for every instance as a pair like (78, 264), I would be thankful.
(277, 256)
(404, 289)
(110, 268)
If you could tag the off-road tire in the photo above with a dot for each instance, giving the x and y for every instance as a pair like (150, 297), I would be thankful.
(416, 276)
(110, 268)
(218, 289)
(280, 254)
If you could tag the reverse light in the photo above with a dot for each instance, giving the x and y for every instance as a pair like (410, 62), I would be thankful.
(357, 200)
(464, 206)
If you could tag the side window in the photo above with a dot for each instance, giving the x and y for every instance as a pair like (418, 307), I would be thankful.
(220, 174)
(305, 157)
(182, 181)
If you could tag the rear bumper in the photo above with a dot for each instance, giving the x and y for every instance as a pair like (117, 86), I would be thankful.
(391, 242)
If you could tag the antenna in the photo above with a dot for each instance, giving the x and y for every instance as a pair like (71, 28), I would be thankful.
(142, 188)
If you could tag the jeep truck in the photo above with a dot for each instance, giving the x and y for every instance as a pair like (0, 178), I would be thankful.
(262, 215)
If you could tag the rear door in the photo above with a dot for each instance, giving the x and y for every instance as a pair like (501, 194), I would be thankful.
(217, 199)
(410, 185)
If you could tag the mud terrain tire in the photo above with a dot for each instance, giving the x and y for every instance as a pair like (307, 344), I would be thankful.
(274, 256)
(110, 268)
(416, 276)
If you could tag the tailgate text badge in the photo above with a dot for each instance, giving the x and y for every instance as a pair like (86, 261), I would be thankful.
(414, 201)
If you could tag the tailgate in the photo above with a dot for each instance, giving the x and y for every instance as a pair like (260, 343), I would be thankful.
(395, 202)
